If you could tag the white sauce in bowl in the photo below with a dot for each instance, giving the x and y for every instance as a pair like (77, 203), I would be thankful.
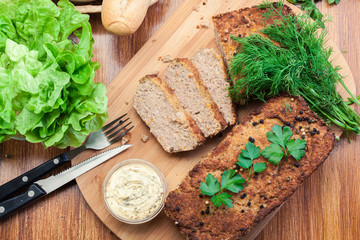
(134, 191)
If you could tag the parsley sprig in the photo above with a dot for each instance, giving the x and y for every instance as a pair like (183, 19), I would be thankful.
(283, 145)
(309, 7)
(228, 181)
(247, 156)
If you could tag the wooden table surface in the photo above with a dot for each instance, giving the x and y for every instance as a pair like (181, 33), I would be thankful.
(327, 206)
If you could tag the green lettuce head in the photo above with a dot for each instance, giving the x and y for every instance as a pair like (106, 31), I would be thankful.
(47, 89)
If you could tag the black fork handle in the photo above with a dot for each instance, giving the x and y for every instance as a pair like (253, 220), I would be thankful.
(31, 176)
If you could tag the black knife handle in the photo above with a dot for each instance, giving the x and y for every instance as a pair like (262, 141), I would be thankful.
(15, 203)
(31, 176)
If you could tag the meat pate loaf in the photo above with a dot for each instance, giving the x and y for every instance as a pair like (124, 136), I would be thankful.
(184, 80)
(213, 73)
(240, 23)
(156, 104)
(198, 218)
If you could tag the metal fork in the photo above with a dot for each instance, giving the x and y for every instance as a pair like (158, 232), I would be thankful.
(103, 138)
(107, 135)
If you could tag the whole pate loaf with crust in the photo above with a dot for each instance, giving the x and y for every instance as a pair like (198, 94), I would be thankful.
(198, 218)
(240, 23)
(172, 126)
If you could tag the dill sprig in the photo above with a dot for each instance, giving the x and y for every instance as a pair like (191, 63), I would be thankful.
(298, 64)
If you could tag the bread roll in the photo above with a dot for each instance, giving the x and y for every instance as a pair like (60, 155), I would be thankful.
(123, 17)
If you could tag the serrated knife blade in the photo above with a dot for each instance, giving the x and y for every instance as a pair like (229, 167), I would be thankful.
(54, 182)
(50, 184)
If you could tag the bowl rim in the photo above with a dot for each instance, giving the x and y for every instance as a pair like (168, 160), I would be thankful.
(135, 161)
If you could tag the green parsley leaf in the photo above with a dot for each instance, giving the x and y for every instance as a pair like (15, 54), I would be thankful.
(282, 145)
(222, 198)
(296, 148)
(228, 181)
(244, 162)
(279, 135)
(251, 151)
(211, 187)
(246, 156)
(259, 167)
(233, 184)
(274, 153)
(310, 8)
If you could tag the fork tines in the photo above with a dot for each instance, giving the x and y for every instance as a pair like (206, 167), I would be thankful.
(107, 126)
(113, 134)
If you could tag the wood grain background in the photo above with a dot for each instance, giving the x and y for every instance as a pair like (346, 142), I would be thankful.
(327, 206)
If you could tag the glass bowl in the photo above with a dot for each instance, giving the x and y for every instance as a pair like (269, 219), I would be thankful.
(134, 191)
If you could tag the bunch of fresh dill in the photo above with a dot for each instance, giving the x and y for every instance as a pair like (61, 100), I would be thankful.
(298, 64)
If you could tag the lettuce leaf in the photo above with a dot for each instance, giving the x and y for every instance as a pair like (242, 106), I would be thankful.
(47, 89)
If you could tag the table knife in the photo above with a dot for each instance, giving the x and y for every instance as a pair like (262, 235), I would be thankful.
(45, 186)
(34, 174)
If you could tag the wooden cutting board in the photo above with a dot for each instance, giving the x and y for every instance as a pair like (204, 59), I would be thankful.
(178, 37)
